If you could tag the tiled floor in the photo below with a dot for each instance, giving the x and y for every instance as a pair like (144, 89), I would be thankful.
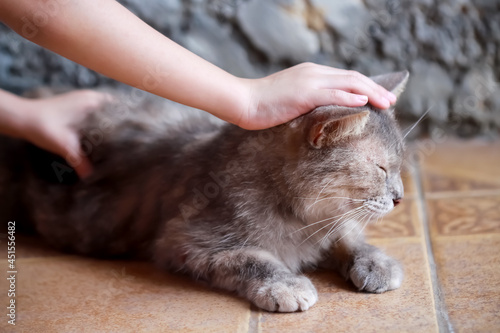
(446, 234)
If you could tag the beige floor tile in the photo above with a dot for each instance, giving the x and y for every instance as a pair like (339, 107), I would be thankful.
(465, 234)
(83, 295)
(461, 166)
(469, 269)
(27, 246)
(342, 309)
(464, 215)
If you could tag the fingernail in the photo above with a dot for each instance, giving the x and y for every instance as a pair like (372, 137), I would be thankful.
(392, 98)
(385, 103)
(362, 98)
(73, 160)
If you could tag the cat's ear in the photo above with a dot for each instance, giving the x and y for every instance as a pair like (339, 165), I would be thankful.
(393, 82)
(324, 132)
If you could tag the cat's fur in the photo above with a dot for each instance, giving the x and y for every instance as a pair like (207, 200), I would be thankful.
(246, 211)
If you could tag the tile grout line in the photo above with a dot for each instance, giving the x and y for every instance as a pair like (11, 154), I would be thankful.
(254, 320)
(462, 194)
(442, 317)
(244, 325)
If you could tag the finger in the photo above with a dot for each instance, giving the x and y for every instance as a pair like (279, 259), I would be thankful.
(108, 98)
(359, 85)
(358, 77)
(84, 168)
(89, 100)
(338, 97)
(104, 97)
(80, 163)
(76, 157)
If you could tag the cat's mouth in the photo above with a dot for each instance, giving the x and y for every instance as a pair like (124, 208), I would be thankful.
(378, 208)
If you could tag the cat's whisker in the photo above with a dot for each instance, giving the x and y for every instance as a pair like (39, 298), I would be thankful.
(362, 221)
(360, 217)
(416, 123)
(365, 224)
(333, 229)
(320, 192)
(350, 230)
(350, 200)
(342, 224)
(325, 237)
(347, 198)
(245, 242)
(324, 220)
(317, 200)
(410, 128)
(330, 198)
(342, 206)
(345, 222)
(330, 223)
(337, 227)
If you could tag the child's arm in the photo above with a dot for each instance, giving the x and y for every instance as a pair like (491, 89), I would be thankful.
(106, 37)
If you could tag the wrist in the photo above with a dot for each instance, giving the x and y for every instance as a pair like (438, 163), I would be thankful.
(232, 103)
(246, 102)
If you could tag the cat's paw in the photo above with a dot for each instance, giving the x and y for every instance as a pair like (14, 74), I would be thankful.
(376, 272)
(287, 294)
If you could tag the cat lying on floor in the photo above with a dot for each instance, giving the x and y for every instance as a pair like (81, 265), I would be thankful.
(245, 211)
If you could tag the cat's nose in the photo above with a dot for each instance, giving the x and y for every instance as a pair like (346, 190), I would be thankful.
(396, 201)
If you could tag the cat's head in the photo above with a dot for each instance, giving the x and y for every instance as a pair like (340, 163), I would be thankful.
(349, 159)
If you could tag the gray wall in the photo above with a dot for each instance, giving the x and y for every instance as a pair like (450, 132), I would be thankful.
(452, 49)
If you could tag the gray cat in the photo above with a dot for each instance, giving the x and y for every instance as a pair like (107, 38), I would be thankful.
(245, 211)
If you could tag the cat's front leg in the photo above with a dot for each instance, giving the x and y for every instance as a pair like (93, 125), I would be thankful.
(368, 267)
(261, 278)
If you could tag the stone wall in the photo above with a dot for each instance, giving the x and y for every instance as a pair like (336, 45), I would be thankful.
(452, 48)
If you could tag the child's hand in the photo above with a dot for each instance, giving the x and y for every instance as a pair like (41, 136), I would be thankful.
(49, 124)
(292, 92)
(164, 68)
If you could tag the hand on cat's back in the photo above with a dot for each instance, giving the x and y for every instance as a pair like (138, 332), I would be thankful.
(288, 94)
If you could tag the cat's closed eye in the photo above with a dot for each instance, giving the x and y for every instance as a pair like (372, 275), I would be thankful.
(383, 170)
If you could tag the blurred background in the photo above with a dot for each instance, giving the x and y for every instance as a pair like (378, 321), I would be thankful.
(451, 48)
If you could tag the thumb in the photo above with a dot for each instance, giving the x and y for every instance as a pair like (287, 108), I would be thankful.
(76, 157)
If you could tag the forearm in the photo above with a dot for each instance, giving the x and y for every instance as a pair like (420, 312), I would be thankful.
(11, 114)
(106, 37)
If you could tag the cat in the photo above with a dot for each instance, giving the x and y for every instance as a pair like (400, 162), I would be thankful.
(244, 211)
